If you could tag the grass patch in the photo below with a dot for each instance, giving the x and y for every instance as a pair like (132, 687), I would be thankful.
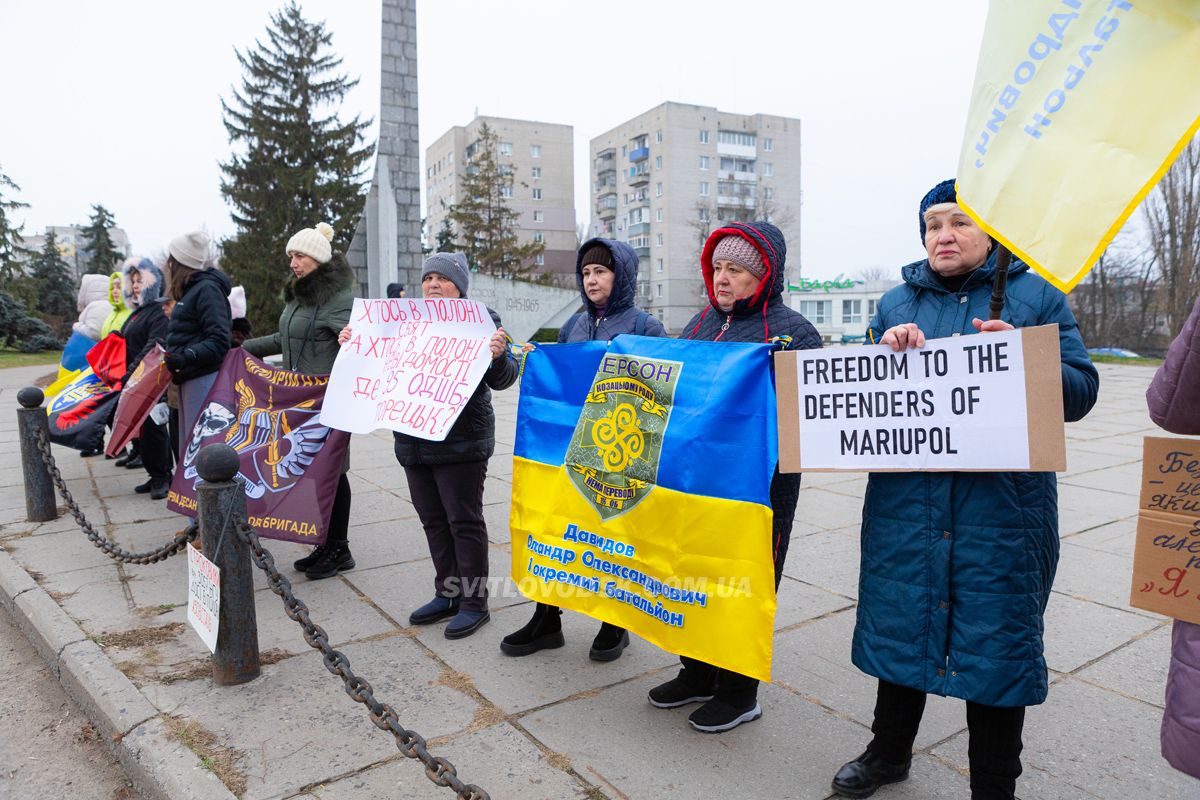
(14, 358)
(139, 637)
(1141, 361)
(218, 759)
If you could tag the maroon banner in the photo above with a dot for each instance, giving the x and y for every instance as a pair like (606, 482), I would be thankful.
(290, 462)
(145, 388)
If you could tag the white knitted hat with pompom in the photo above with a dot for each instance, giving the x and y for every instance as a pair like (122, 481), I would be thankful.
(313, 242)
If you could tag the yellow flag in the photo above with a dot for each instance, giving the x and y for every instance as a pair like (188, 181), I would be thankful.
(1079, 108)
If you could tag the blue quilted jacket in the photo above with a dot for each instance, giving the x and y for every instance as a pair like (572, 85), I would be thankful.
(957, 567)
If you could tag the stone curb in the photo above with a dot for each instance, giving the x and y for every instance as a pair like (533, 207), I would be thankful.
(160, 768)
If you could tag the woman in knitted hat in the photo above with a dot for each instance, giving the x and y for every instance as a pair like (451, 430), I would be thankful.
(957, 566)
(742, 265)
(198, 332)
(146, 327)
(319, 294)
(606, 273)
(445, 479)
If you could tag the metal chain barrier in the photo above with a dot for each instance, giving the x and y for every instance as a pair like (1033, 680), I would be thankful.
(110, 549)
(410, 743)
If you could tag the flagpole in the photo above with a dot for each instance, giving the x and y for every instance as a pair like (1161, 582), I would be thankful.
(996, 304)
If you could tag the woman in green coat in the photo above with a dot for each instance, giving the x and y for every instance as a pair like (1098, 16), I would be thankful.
(319, 294)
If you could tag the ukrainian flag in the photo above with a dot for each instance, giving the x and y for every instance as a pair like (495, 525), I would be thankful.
(641, 492)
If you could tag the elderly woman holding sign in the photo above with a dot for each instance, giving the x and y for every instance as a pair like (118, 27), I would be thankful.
(957, 567)
(445, 479)
(319, 294)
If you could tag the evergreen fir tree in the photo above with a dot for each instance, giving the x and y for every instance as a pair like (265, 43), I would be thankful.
(296, 163)
(12, 247)
(102, 255)
(487, 223)
(55, 286)
(445, 237)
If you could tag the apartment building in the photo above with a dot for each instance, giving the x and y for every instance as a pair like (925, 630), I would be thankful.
(664, 179)
(541, 157)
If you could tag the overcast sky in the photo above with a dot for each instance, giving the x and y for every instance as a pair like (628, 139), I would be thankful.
(119, 103)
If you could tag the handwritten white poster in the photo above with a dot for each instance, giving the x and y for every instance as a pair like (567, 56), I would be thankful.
(410, 366)
(204, 597)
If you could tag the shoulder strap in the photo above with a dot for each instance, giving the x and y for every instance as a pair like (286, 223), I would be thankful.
(307, 335)
(569, 326)
(639, 325)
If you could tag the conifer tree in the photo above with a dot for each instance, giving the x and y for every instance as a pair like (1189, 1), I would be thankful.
(486, 222)
(445, 237)
(102, 255)
(12, 247)
(295, 163)
(54, 283)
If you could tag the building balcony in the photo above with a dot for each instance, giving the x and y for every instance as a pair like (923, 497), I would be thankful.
(640, 154)
(639, 229)
(735, 202)
(727, 175)
(639, 175)
(642, 252)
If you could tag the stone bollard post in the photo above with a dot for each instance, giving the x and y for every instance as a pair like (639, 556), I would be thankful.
(222, 505)
(40, 505)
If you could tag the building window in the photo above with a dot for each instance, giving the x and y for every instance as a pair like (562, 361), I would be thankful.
(658, 162)
(658, 265)
(704, 215)
(736, 137)
(506, 148)
(537, 194)
(658, 215)
(539, 237)
(703, 162)
(703, 137)
(704, 188)
(852, 311)
(768, 145)
(871, 308)
(540, 260)
(535, 150)
(768, 193)
(536, 172)
(658, 290)
(817, 311)
(537, 216)
(658, 189)
(658, 240)
(658, 137)
(506, 191)
(624, 150)
(768, 170)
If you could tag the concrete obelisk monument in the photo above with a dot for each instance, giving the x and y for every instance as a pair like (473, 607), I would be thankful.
(387, 241)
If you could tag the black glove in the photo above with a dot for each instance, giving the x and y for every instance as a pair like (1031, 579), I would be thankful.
(177, 362)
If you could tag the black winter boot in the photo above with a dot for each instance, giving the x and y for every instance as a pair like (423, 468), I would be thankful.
(301, 564)
(542, 632)
(335, 559)
(609, 643)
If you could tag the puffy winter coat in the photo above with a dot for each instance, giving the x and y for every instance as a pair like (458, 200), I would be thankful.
(200, 325)
(473, 437)
(957, 566)
(318, 307)
(1174, 402)
(119, 309)
(621, 315)
(147, 324)
(760, 318)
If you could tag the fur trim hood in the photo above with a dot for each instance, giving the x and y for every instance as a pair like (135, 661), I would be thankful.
(321, 285)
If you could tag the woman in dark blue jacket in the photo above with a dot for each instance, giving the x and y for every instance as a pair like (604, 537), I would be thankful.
(957, 566)
(606, 272)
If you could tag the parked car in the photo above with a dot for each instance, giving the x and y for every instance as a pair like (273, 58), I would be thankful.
(1115, 352)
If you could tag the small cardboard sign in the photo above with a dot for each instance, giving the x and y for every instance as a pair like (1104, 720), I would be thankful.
(204, 596)
(410, 366)
(987, 402)
(1166, 557)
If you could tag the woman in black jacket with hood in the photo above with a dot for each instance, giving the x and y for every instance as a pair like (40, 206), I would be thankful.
(742, 264)
(606, 272)
(198, 333)
(146, 327)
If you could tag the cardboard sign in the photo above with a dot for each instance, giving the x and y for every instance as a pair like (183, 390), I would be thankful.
(987, 402)
(410, 366)
(204, 596)
(1166, 558)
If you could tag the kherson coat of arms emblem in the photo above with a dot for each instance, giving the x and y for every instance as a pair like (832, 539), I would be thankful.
(614, 452)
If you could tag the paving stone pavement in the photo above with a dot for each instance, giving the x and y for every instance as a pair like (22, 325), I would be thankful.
(557, 725)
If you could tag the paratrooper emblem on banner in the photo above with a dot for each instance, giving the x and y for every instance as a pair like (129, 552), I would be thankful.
(614, 452)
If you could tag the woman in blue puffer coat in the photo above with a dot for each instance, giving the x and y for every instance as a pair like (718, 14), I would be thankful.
(957, 566)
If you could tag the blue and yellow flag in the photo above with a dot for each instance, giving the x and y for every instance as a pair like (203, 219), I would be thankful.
(641, 492)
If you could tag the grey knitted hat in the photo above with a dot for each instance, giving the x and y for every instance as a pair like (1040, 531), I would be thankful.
(452, 265)
(741, 252)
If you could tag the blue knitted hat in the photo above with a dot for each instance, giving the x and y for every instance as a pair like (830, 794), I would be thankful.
(942, 193)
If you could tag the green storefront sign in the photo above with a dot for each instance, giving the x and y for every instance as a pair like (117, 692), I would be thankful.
(839, 282)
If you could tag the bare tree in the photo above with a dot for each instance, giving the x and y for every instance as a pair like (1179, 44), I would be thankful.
(875, 273)
(1172, 217)
(1120, 302)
